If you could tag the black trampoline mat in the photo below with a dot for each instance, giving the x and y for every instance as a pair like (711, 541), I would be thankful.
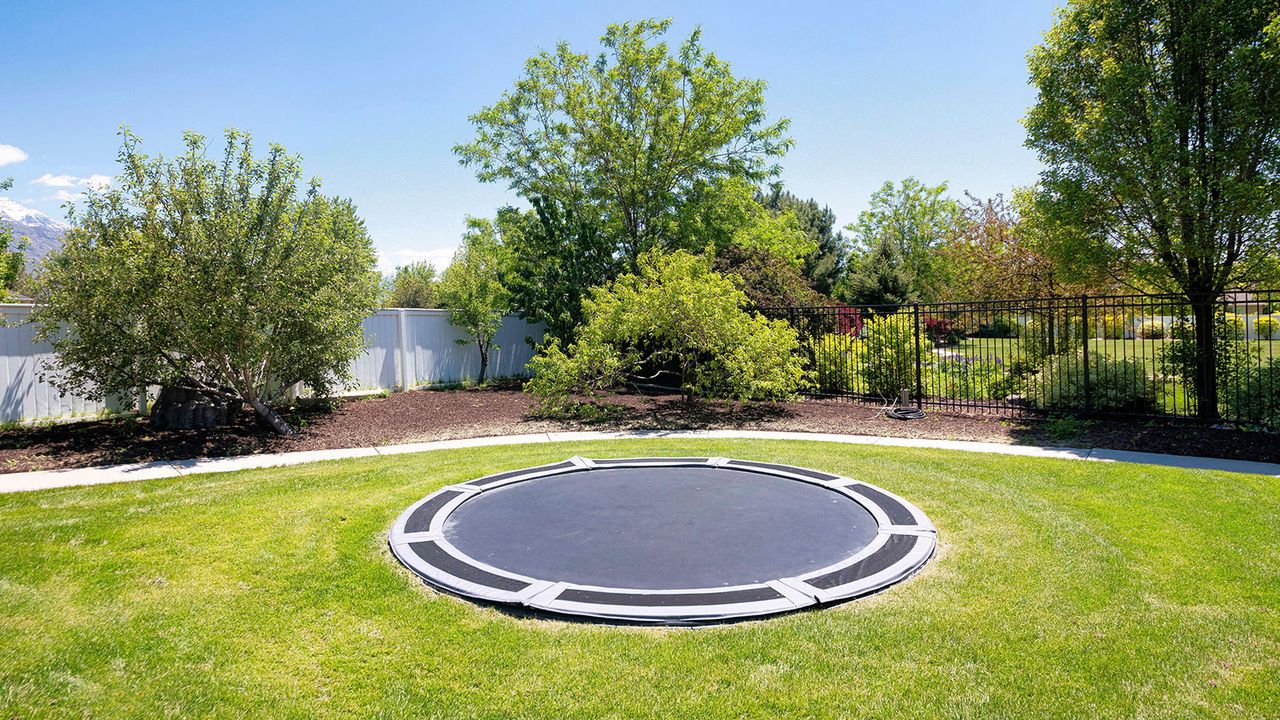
(660, 527)
(663, 540)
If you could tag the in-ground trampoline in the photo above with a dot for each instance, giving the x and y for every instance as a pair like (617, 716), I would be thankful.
(663, 540)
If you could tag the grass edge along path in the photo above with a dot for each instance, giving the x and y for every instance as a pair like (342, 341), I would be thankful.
(1060, 589)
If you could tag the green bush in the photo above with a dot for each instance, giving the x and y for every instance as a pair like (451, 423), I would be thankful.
(1000, 326)
(836, 361)
(1232, 327)
(1035, 342)
(1255, 396)
(1235, 357)
(1151, 330)
(955, 376)
(1115, 384)
(888, 354)
(1114, 326)
(677, 313)
(1266, 327)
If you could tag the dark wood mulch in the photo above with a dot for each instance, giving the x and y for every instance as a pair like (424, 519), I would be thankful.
(444, 414)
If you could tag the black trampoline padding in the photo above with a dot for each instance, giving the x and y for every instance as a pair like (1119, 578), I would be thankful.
(672, 540)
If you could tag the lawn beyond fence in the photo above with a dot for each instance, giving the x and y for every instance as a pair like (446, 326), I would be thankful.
(1127, 356)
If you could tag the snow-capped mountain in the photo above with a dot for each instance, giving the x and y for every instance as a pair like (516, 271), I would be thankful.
(43, 233)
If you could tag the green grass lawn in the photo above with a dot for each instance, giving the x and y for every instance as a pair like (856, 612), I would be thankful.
(1061, 589)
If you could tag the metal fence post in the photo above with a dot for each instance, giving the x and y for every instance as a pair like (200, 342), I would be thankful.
(919, 364)
(1086, 331)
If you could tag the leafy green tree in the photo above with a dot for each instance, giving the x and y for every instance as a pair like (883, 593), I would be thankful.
(726, 213)
(623, 137)
(879, 278)
(1159, 127)
(675, 311)
(207, 275)
(824, 266)
(11, 256)
(471, 288)
(413, 286)
(767, 280)
(917, 219)
(555, 257)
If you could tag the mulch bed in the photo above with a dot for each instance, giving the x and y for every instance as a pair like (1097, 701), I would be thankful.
(446, 414)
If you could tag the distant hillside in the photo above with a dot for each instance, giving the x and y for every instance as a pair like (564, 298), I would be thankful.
(43, 233)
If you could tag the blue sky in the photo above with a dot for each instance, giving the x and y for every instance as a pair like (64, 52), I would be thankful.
(373, 95)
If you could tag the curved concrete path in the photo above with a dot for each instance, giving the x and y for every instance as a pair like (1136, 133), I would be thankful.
(44, 479)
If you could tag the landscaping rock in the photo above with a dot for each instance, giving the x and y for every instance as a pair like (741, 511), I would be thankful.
(183, 409)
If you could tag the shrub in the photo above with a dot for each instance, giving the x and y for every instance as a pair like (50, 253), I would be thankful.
(1000, 326)
(1115, 384)
(836, 363)
(1266, 327)
(674, 312)
(1114, 326)
(1232, 327)
(1151, 330)
(1042, 337)
(953, 375)
(1255, 396)
(1179, 356)
(942, 331)
(888, 354)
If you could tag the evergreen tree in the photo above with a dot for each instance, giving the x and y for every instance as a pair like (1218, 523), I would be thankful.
(879, 278)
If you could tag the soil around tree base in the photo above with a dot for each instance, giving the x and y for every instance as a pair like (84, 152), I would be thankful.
(425, 415)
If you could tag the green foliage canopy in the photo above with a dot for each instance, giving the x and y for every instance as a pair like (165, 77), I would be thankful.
(11, 256)
(917, 220)
(413, 286)
(471, 288)
(1159, 127)
(624, 136)
(554, 257)
(212, 275)
(826, 263)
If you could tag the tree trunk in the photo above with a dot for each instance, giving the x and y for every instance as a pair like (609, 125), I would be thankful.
(1206, 379)
(484, 362)
(272, 418)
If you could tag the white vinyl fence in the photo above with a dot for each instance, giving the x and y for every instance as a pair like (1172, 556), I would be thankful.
(404, 349)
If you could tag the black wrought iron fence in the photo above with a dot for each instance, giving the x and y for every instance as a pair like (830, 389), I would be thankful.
(1133, 355)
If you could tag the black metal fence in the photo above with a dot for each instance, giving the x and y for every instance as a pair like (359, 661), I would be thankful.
(1133, 355)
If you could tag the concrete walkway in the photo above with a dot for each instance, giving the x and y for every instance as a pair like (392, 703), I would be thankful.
(44, 479)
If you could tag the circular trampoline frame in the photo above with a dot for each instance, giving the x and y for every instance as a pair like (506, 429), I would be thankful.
(904, 541)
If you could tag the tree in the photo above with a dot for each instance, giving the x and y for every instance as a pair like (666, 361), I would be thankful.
(767, 280)
(413, 286)
(622, 138)
(210, 276)
(917, 219)
(824, 266)
(677, 312)
(11, 256)
(880, 278)
(996, 254)
(471, 288)
(1159, 127)
(726, 214)
(555, 257)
